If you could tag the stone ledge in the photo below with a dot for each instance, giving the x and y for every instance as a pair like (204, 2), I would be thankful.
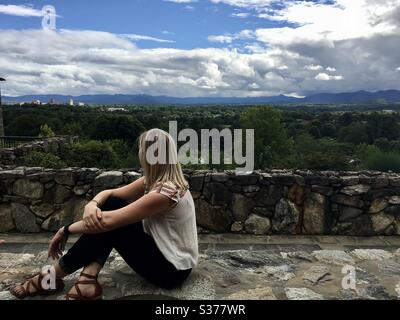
(270, 202)
(270, 273)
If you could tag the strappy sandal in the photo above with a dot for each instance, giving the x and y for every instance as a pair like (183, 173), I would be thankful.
(39, 291)
(98, 294)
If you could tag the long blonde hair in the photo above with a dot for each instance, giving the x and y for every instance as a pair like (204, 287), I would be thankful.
(161, 171)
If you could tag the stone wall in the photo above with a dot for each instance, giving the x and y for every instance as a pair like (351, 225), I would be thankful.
(14, 156)
(270, 202)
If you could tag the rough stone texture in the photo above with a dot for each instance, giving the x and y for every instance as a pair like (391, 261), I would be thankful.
(42, 210)
(241, 207)
(248, 269)
(348, 213)
(6, 220)
(317, 275)
(381, 221)
(24, 219)
(378, 205)
(390, 268)
(314, 214)
(109, 179)
(278, 273)
(355, 190)
(295, 201)
(212, 218)
(256, 224)
(372, 254)
(27, 188)
(265, 293)
(286, 217)
(336, 257)
(302, 294)
(72, 211)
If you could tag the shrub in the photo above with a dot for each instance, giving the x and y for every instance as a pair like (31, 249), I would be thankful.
(42, 159)
(91, 154)
(383, 161)
(46, 132)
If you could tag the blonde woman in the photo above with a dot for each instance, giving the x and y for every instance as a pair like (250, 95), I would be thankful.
(151, 223)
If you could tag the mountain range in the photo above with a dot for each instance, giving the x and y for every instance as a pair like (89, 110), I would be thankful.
(388, 96)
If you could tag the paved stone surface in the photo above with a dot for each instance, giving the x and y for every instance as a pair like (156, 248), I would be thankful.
(240, 267)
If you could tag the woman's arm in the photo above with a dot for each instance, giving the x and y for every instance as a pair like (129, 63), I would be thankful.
(146, 206)
(131, 192)
(149, 205)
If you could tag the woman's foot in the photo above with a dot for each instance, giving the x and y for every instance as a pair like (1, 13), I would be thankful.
(33, 287)
(86, 288)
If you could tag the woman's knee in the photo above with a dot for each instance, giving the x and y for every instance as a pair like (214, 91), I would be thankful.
(113, 203)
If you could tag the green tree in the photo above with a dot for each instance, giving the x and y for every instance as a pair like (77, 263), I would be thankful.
(272, 144)
(43, 159)
(315, 132)
(91, 154)
(46, 131)
(73, 129)
(356, 134)
(117, 127)
(328, 130)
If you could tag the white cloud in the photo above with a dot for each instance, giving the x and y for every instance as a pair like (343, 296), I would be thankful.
(240, 15)
(23, 11)
(138, 37)
(313, 67)
(220, 39)
(252, 4)
(330, 22)
(327, 77)
(254, 86)
(229, 38)
(281, 60)
(294, 95)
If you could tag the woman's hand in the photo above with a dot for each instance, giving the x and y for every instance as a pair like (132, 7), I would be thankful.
(56, 245)
(92, 218)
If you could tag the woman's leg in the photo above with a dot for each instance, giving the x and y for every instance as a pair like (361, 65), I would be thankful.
(90, 251)
(141, 253)
(91, 248)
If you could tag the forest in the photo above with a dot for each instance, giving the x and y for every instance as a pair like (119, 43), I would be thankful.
(303, 137)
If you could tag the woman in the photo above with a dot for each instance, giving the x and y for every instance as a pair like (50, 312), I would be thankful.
(151, 223)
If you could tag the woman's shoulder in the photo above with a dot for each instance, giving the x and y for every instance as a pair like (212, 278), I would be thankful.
(169, 189)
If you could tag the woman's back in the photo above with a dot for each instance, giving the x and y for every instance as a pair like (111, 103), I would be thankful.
(175, 231)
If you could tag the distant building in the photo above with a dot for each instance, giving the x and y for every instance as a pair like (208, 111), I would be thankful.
(36, 102)
(52, 101)
(116, 109)
(71, 102)
(81, 104)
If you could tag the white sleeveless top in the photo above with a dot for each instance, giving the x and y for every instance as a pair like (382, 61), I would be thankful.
(175, 231)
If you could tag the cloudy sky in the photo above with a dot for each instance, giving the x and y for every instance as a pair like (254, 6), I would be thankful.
(200, 47)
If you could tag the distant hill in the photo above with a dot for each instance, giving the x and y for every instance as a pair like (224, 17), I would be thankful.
(390, 96)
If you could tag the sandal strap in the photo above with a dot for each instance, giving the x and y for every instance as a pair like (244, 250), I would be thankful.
(90, 276)
(86, 282)
(91, 280)
(21, 295)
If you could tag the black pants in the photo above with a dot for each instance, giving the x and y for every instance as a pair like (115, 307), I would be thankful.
(135, 246)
